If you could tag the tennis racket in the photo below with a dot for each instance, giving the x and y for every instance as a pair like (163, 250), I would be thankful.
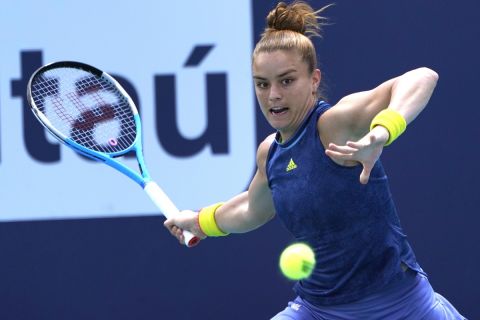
(88, 111)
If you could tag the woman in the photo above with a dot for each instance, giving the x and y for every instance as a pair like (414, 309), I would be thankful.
(320, 174)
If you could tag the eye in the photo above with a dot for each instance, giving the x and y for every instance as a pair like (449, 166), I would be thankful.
(287, 81)
(261, 84)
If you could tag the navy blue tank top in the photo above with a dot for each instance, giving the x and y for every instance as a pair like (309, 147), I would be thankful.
(353, 228)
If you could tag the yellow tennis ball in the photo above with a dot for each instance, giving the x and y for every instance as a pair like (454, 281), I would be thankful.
(297, 261)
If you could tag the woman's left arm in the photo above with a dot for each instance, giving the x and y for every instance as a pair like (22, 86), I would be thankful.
(345, 129)
(411, 92)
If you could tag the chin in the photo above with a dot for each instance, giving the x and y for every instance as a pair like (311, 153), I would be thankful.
(275, 125)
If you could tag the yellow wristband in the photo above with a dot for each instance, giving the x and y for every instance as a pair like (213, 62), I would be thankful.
(206, 221)
(393, 121)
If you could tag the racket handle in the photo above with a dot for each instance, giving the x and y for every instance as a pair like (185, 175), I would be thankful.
(168, 209)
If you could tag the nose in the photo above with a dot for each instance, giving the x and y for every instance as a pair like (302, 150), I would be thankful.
(274, 94)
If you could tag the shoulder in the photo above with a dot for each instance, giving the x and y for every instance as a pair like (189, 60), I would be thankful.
(342, 112)
(264, 147)
(334, 125)
(350, 117)
(262, 151)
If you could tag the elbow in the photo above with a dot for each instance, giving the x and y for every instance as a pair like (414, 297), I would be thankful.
(261, 219)
(270, 217)
(429, 75)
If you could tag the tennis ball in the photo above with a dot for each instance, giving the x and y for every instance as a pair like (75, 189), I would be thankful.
(297, 261)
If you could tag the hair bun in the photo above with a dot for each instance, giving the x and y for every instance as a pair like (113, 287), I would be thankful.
(297, 16)
(285, 17)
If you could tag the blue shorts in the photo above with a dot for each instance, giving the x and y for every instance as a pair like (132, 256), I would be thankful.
(412, 298)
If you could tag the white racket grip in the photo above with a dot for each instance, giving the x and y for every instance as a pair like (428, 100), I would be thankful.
(167, 208)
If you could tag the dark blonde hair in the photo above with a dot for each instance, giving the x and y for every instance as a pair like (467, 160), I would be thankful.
(290, 27)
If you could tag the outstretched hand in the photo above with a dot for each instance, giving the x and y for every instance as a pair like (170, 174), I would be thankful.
(366, 151)
(185, 220)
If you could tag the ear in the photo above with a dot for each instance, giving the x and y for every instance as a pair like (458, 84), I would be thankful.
(316, 78)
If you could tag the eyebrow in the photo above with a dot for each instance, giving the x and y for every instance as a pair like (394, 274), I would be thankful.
(279, 76)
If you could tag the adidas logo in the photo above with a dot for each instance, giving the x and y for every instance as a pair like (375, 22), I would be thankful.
(291, 165)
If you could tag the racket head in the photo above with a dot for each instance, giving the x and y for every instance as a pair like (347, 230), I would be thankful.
(88, 110)
(84, 108)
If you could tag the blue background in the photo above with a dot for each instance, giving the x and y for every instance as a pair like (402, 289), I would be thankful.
(130, 268)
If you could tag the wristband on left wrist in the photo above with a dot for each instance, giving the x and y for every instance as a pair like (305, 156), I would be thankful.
(391, 120)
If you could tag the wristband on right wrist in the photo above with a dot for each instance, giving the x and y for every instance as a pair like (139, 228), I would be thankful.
(207, 223)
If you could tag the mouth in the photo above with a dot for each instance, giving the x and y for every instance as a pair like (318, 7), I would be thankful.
(278, 110)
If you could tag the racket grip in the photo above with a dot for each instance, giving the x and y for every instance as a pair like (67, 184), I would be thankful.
(168, 209)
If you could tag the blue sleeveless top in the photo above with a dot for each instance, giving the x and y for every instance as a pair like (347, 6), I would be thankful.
(353, 228)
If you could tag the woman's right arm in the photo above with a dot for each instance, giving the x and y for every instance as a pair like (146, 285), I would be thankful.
(242, 213)
(250, 209)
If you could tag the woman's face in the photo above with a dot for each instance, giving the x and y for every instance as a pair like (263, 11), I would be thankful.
(285, 89)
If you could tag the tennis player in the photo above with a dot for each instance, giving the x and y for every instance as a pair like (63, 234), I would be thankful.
(320, 173)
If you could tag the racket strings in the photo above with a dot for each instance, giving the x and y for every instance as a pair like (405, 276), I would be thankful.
(123, 114)
(60, 110)
(87, 109)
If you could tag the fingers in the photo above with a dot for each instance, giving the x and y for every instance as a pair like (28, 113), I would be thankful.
(365, 175)
(365, 151)
(174, 230)
(340, 152)
(349, 148)
(363, 143)
(178, 233)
